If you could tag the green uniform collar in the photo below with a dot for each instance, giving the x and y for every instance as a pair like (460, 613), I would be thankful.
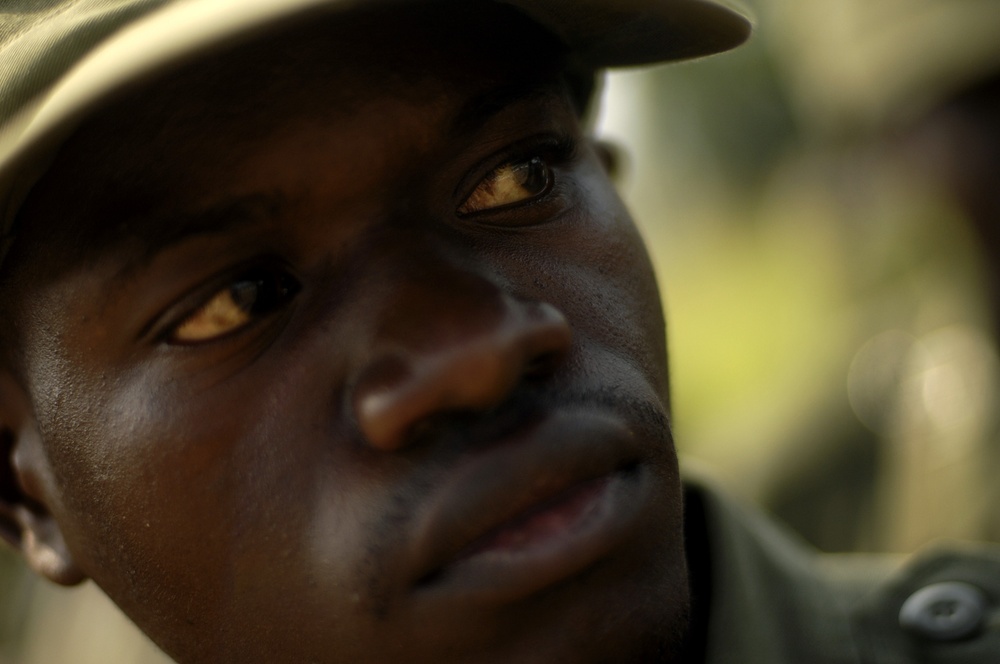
(774, 600)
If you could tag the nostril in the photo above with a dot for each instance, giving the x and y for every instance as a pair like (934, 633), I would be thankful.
(543, 365)
(425, 427)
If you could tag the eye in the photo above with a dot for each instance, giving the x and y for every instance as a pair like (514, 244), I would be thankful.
(512, 183)
(249, 297)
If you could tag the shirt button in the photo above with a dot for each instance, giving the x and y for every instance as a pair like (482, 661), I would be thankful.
(944, 611)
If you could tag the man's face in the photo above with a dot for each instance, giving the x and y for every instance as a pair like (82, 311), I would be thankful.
(343, 349)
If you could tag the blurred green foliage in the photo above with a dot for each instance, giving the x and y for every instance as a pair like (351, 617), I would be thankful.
(788, 237)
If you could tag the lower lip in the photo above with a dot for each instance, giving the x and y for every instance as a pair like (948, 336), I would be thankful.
(556, 541)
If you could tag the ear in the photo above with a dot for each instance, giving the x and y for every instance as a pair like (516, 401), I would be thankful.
(25, 520)
(613, 157)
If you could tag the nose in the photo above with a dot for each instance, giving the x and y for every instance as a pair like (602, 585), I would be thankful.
(459, 345)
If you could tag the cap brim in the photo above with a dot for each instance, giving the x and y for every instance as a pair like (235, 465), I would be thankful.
(623, 33)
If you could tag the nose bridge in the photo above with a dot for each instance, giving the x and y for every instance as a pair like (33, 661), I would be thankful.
(450, 339)
(438, 304)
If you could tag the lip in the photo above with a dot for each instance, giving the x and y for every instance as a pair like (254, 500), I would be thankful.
(534, 510)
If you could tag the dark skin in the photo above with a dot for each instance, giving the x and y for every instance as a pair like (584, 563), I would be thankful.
(359, 361)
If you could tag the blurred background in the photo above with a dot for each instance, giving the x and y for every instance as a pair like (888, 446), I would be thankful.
(822, 209)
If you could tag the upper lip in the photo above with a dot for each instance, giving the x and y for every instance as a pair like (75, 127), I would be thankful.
(494, 486)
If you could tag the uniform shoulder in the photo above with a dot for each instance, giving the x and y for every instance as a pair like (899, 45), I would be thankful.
(943, 605)
(775, 599)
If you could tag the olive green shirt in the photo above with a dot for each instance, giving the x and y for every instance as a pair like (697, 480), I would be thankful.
(774, 600)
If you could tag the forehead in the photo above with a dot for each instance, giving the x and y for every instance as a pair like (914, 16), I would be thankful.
(444, 62)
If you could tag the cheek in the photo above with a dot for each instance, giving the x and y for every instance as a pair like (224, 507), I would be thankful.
(232, 504)
(594, 267)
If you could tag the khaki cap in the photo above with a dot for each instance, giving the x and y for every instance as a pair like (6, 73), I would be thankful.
(60, 59)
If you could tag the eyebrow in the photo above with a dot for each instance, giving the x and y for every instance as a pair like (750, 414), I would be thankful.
(481, 108)
(164, 230)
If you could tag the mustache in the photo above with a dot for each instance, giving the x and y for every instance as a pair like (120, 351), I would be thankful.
(460, 430)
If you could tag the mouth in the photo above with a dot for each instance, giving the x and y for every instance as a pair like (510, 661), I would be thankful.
(536, 510)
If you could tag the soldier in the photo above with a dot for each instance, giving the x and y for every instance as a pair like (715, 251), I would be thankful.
(327, 339)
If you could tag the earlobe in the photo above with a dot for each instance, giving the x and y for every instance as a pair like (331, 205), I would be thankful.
(612, 156)
(26, 522)
(44, 549)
